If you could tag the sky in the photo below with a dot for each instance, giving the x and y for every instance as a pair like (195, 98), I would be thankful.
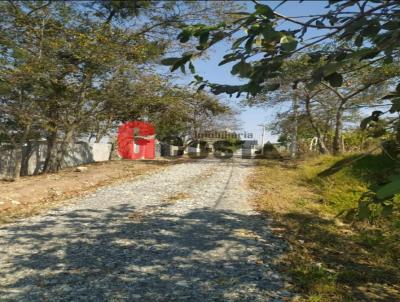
(250, 118)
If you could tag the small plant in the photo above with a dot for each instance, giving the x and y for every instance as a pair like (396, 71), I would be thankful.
(316, 280)
(381, 203)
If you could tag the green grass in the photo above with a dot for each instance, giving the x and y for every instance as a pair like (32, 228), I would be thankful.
(332, 260)
(341, 181)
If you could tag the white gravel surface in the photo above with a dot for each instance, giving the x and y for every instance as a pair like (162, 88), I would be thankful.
(186, 233)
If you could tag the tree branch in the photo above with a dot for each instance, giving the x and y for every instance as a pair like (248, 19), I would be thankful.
(38, 8)
(340, 96)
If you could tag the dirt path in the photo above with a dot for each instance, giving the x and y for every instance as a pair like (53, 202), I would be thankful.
(31, 195)
(187, 233)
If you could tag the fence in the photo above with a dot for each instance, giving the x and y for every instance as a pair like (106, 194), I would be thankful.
(35, 156)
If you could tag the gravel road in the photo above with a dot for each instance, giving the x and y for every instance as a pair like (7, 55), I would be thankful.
(185, 233)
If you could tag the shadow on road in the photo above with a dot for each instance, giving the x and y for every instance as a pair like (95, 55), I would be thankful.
(204, 255)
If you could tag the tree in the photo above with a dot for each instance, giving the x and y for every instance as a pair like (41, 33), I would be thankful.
(369, 27)
(327, 106)
(161, 21)
(73, 69)
(182, 112)
(54, 61)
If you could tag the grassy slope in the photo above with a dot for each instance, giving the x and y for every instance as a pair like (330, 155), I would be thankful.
(331, 260)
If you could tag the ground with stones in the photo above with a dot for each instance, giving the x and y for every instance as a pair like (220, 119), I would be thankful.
(186, 233)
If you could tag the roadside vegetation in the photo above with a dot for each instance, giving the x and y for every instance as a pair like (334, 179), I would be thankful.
(332, 79)
(334, 257)
(74, 71)
(333, 87)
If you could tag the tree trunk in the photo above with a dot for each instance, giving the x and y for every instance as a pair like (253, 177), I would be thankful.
(18, 152)
(26, 155)
(337, 139)
(398, 137)
(293, 145)
(100, 134)
(320, 142)
(17, 163)
(97, 133)
(67, 141)
(49, 164)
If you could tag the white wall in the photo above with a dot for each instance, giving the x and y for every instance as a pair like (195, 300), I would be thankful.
(80, 153)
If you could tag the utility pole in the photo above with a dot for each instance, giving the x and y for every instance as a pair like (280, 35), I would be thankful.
(262, 138)
(293, 145)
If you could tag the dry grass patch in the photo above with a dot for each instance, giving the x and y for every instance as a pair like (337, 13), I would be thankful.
(178, 196)
(32, 195)
(280, 186)
(138, 216)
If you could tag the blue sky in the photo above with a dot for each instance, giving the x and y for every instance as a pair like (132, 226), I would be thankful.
(209, 69)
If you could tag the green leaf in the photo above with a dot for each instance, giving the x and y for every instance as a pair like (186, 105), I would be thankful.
(340, 56)
(198, 78)
(372, 28)
(254, 29)
(314, 57)
(264, 10)
(176, 65)
(363, 210)
(365, 122)
(395, 106)
(242, 68)
(329, 73)
(288, 43)
(329, 69)
(356, 55)
(258, 41)
(203, 38)
(249, 44)
(269, 34)
(252, 88)
(319, 24)
(388, 60)
(229, 89)
(354, 27)
(335, 79)
(390, 189)
(185, 35)
(332, 19)
(273, 87)
(239, 41)
(372, 53)
(229, 58)
(218, 36)
(359, 40)
(317, 76)
(387, 210)
(191, 67)
(312, 85)
(169, 61)
(391, 25)
(390, 96)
